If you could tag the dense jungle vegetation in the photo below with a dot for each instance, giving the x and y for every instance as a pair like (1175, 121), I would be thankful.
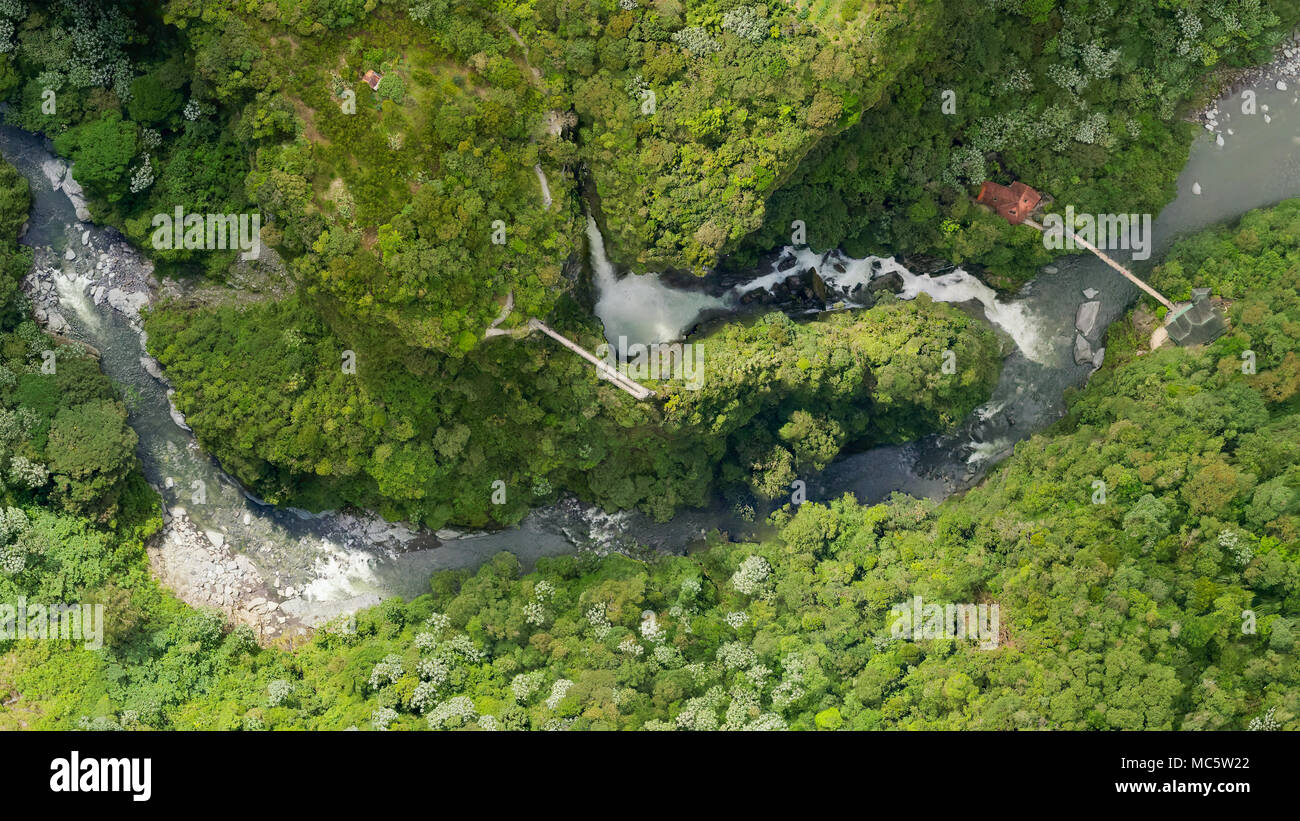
(404, 216)
(400, 218)
(1171, 603)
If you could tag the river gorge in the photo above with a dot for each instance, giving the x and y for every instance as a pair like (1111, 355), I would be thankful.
(285, 569)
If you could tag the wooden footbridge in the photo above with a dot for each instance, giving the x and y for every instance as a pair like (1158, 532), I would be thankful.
(603, 369)
(1191, 323)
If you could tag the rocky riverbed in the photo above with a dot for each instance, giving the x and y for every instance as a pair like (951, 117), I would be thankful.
(281, 571)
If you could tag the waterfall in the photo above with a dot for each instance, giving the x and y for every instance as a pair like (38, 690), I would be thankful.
(639, 306)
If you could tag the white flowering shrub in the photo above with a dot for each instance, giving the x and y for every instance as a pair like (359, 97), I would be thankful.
(791, 689)
(386, 672)
(383, 717)
(667, 656)
(636, 86)
(747, 23)
(750, 576)
(28, 474)
(1099, 63)
(696, 41)
(436, 671)
(630, 647)
(701, 713)
(425, 641)
(1067, 78)
(463, 646)
(1094, 129)
(534, 614)
(438, 623)
(13, 524)
(736, 656)
(454, 712)
(600, 625)
(525, 685)
(424, 696)
(143, 176)
(737, 619)
(1016, 80)
(650, 628)
(558, 691)
(745, 706)
(278, 692)
(1236, 547)
(1266, 722)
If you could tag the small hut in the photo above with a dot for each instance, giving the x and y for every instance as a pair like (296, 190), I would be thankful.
(1197, 322)
(1013, 203)
(372, 79)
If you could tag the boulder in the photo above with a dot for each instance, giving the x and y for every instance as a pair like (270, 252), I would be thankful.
(54, 170)
(151, 366)
(892, 281)
(1082, 350)
(819, 286)
(55, 323)
(1085, 320)
(127, 303)
(72, 189)
(1090, 293)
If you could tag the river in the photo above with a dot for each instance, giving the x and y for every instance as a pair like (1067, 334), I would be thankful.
(314, 567)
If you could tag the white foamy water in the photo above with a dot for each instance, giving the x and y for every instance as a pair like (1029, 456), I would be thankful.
(955, 286)
(639, 306)
(645, 310)
(72, 293)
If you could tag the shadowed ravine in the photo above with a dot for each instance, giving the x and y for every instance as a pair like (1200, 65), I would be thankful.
(312, 567)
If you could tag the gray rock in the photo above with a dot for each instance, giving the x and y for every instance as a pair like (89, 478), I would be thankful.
(127, 303)
(151, 366)
(70, 255)
(1082, 350)
(1085, 320)
(1090, 293)
(72, 189)
(1098, 358)
(54, 170)
(56, 324)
